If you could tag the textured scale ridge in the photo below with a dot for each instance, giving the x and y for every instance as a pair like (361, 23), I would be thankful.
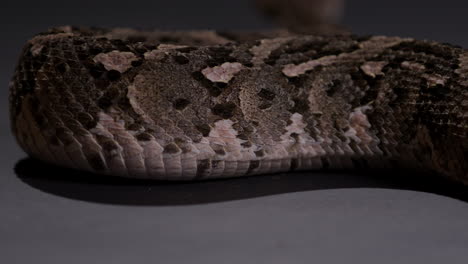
(203, 104)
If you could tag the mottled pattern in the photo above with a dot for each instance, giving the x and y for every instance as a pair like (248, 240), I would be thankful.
(200, 105)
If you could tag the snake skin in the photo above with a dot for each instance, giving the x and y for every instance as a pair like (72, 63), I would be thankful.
(202, 105)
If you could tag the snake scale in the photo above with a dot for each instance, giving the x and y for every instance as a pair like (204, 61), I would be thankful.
(206, 104)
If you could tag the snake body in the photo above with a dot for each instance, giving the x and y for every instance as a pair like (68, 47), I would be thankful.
(202, 105)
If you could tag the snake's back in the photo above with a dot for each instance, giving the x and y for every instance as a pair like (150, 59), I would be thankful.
(200, 105)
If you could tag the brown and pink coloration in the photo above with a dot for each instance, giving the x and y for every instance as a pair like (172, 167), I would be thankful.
(202, 105)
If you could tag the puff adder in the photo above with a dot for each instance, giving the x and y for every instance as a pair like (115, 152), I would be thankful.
(205, 104)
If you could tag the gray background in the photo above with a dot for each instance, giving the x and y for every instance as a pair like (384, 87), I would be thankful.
(48, 215)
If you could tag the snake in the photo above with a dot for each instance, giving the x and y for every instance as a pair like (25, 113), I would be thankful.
(195, 105)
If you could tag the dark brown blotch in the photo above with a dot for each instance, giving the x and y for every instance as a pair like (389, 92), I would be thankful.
(109, 145)
(181, 103)
(203, 167)
(40, 119)
(334, 87)
(220, 151)
(219, 55)
(246, 144)
(439, 50)
(225, 110)
(186, 49)
(144, 137)
(274, 56)
(438, 92)
(198, 76)
(101, 84)
(61, 67)
(301, 106)
(95, 50)
(298, 81)
(96, 70)
(113, 92)
(254, 164)
(204, 129)
(102, 39)
(183, 144)
(214, 89)
(336, 48)
(181, 59)
(171, 148)
(260, 153)
(295, 136)
(266, 94)
(113, 75)
(242, 136)
(220, 85)
(134, 126)
(137, 63)
(104, 102)
(215, 163)
(120, 45)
